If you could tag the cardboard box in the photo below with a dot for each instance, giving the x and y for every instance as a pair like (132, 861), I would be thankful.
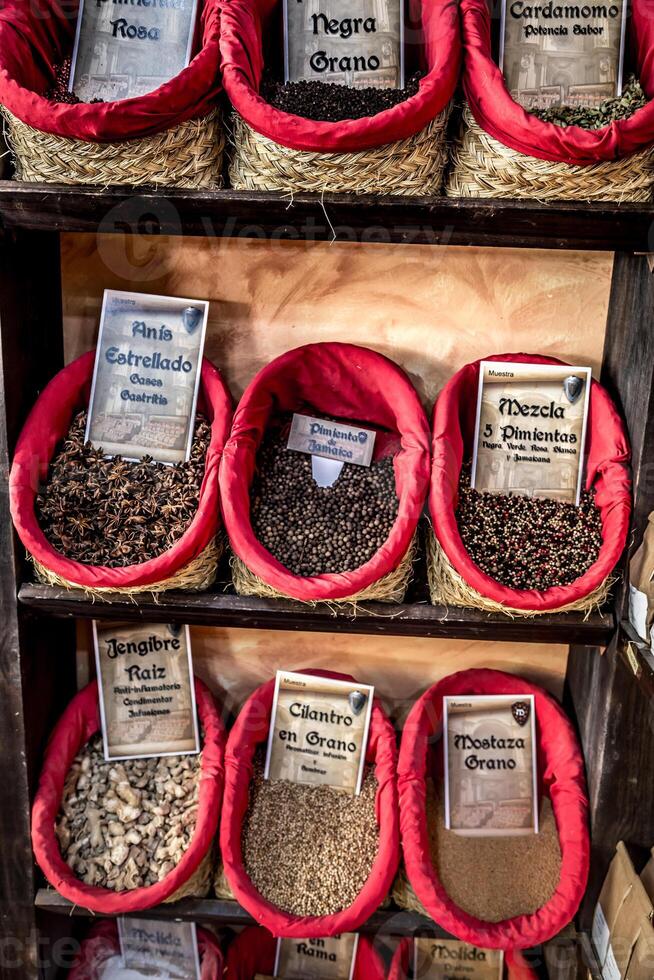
(622, 925)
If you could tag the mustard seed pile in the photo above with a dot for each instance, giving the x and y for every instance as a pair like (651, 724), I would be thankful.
(522, 872)
(107, 511)
(315, 530)
(329, 102)
(528, 542)
(125, 825)
(309, 849)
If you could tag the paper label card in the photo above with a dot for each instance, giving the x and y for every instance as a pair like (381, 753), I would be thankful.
(448, 959)
(123, 50)
(530, 431)
(147, 376)
(490, 765)
(562, 54)
(159, 948)
(147, 691)
(319, 731)
(331, 958)
(333, 440)
(358, 44)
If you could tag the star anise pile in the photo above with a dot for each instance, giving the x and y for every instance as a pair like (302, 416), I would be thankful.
(107, 511)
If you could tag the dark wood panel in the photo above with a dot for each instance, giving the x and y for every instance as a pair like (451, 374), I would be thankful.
(33, 683)
(413, 619)
(311, 217)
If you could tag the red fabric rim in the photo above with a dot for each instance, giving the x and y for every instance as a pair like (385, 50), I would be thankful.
(386, 392)
(561, 772)
(30, 38)
(49, 421)
(251, 730)
(102, 941)
(79, 722)
(606, 469)
(505, 120)
(242, 26)
(253, 951)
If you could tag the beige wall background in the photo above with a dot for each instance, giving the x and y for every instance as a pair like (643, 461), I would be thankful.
(431, 309)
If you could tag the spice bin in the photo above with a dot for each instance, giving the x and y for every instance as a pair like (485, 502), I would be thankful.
(398, 151)
(190, 876)
(348, 383)
(246, 744)
(252, 952)
(172, 137)
(454, 578)
(189, 564)
(504, 151)
(563, 847)
(102, 943)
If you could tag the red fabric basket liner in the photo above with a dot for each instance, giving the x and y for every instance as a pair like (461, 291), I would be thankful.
(348, 382)
(561, 776)
(37, 36)
(505, 120)
(253, 951)
(48, 423)
(102, 943)
(79, 722)
(244, 24)
(607, 470)
(251, 731)
(515, 965)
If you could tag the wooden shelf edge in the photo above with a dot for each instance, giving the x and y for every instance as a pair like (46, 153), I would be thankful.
(391, 921)
(418, 619)
(333, 217)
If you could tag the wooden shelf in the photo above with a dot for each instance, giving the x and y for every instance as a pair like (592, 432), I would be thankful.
(340, 217)
(392, 921)
(410, 619)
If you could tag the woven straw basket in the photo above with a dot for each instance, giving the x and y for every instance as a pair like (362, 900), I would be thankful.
(483, 167)
(197, 576)
(448, 588)
(391, 588)
(199, 884)
(412, 166)
(187, 155)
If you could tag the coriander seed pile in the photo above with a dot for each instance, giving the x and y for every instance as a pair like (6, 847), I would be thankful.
(107, 511)
(316, 530)
(329, 102)
(124, 825)
(528, 542)
(309, 849)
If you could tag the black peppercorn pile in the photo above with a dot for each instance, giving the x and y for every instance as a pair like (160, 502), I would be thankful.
(316, 530)
(528, 542)
(329, 102)
(110, 512)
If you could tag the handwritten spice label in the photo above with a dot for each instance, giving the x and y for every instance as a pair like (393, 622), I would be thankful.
(147, 693)
(531, 429)
(123, 50)
(448, 959)
(490, 765)
(153, 947)
(319, 731)
(333, 440)
(147, 376)
(359, 44)
(331, 958)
